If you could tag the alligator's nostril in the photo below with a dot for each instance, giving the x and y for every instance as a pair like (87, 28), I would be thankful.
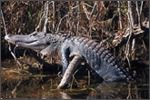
(6, 37)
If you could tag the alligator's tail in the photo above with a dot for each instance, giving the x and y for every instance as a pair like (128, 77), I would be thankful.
(102, 61)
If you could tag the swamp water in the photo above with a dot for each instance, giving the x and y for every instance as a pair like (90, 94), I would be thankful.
(22, 84)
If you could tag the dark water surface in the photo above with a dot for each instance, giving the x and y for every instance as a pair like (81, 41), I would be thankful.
(22, 84)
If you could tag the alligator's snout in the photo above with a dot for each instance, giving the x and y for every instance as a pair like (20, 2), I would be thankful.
(33, 42)
(8, 39)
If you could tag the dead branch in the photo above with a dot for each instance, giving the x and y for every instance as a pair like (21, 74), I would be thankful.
(129, 92)
(73, 78)
(5, 29)
(13, 92)
(57, 30)
(120, 19)
(101, 7)
(74, 7)
(46, 15)
(130, 17)
(85, 10)
(89, 81)
(14, 55)
(133, 49)
(78, 15)
(40, 22)
(139, 12)
(94, 6)
(126, 34)
(69, 71)
(88, 5)
(53, 5)
(130, 29)
(141, 7)
(64, 95)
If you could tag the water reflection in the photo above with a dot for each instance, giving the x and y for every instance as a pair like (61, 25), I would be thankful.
(19, 84)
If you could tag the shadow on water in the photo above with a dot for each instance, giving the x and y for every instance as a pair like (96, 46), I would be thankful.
(41, 84)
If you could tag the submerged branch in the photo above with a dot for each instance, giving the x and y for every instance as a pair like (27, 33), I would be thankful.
(68, 73)
(5, 29)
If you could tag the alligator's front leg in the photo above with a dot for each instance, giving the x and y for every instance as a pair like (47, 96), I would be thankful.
(65, 58)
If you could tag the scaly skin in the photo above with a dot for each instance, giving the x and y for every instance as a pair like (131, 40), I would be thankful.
(100, 60)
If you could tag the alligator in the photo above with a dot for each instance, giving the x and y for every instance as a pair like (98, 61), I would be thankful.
(98, 57)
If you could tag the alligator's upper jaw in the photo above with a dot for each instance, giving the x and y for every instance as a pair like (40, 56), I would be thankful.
(25, 41)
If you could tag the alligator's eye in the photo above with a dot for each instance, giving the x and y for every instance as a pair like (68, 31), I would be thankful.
(48, 43)
(34, 34)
